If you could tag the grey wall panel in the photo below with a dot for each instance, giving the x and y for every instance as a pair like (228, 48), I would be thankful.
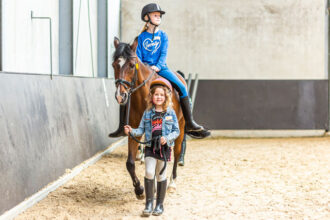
(240, 39)
(262, 104)
(102, 44)
(0, 35)
(48, 126)
(65, 37)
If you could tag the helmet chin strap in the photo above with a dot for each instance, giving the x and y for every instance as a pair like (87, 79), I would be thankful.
(155, 26)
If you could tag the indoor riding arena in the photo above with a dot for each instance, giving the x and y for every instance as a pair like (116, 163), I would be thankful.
(257, 74)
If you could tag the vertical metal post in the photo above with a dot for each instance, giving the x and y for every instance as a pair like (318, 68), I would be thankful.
(189, 82)
(120, 21)
(51, 48)
(65, 37)
(50, 41)
(102, 36)
(328, 56)
(1, 68)
(90, 37)
(193, 97)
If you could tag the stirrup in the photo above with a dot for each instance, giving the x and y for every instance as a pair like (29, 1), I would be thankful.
(198, 134)
(197, 130)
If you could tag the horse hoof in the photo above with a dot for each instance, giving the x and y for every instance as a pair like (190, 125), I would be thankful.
(139, 192)
(140, 197)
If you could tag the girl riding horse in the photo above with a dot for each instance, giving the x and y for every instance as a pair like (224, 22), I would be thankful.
(152, 50)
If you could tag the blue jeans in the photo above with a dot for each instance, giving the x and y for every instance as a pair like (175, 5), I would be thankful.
(175, 81)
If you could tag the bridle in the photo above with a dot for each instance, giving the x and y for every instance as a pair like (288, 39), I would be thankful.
(131, 84)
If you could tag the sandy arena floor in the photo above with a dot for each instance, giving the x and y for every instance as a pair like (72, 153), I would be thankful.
(285, 178)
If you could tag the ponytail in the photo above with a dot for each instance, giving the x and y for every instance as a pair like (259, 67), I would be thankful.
(145, 27)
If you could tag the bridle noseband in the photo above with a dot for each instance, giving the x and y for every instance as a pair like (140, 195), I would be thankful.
(125, 83)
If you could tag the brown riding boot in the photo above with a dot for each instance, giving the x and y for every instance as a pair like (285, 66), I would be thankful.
(120, 131)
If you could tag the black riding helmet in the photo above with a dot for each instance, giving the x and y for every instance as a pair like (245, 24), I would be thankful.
(152, 7)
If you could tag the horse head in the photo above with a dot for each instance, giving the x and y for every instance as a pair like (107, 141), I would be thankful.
(124, 65)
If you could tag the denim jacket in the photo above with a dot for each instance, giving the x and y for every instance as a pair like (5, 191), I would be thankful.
(170, 126)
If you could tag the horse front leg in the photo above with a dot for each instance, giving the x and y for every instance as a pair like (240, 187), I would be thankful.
(172, 184)
(177, 152)
(130, 165)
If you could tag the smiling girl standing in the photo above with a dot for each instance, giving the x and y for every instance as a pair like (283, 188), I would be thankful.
(159, 123)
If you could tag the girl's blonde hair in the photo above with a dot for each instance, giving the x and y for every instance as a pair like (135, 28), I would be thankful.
(145, 27)
(168, 97)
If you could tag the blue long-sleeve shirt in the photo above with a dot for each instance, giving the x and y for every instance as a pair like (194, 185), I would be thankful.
(154, 53)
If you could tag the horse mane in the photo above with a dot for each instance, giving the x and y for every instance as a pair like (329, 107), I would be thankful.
(123, 50)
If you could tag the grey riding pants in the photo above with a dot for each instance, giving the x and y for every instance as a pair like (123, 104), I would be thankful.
(153, 167)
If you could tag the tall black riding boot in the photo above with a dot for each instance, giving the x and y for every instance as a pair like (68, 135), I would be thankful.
(183, 151)
(120, 131)
(192, 128)
(161, 191)
(149, 187)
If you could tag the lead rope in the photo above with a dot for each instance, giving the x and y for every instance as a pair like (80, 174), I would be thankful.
(155, 141)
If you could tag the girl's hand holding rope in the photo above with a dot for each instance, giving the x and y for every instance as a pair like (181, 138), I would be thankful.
(127, 129)
(163, 140)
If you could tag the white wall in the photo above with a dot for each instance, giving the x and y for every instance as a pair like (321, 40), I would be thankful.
(26, 41)
(240, 39)
(84, 38)
(113, 30)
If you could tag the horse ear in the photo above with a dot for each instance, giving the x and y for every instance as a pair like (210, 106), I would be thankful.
(116, 42)
(134, 44)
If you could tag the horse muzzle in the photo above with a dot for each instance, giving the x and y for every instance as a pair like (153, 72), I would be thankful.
(122, 98)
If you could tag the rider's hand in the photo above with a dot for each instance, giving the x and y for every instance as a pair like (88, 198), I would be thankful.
(127, 129)
(155, 68)
(162, 140)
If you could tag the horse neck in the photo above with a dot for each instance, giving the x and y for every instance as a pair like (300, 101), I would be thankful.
(142, 74)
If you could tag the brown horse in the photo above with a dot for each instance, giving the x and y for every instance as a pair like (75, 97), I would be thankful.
(131, 73)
